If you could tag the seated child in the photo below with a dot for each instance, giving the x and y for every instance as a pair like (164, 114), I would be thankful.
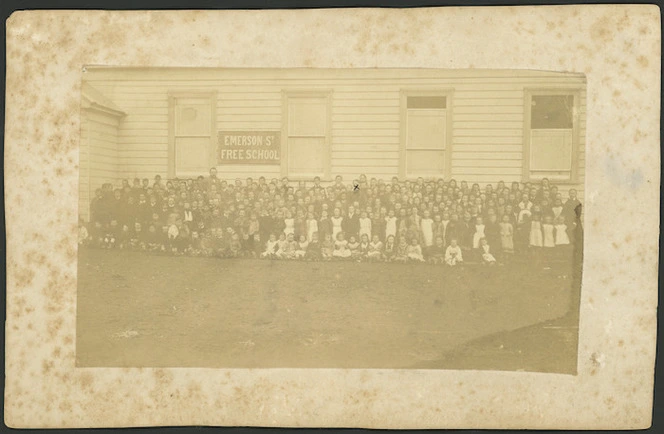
(374, 252)
(354, 247)
(235, 247)
(437, 251)
(289, 247)
(301, 248)
(402, 250)
(270, 247)
(341, 249)
(453, 253)
(327, 247)
(414, 251)
(487, 257)
(364, 246)
(390, 249)
(281, 246)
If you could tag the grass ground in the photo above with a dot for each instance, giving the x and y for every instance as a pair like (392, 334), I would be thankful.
(135, 309)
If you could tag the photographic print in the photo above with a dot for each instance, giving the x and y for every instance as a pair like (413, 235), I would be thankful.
(331, 218)
(422, 218)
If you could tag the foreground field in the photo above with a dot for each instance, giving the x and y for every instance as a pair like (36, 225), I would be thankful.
(140, 310)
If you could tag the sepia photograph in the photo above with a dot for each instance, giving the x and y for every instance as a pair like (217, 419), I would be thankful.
(360, 218)
(403, 218)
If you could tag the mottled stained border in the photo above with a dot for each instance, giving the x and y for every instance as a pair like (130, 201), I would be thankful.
(617, 47)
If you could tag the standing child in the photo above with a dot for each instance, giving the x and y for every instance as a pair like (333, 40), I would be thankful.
(390, 224)
(365, 225)
(312, 226)
(535, 240)
(453, 254)
(314, 249)
(364, 246)
(289, 224)
(548, 236)
(479, 232)
(337, 221)
(426, 227)
(507, 235)
(561, 238)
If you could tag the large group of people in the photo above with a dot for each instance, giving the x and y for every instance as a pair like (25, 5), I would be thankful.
(437, 221)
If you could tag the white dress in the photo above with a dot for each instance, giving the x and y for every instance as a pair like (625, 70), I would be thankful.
(535, 238)
(336, 226)
(453, 255)
(547, 230)
(562, 239)
(427, 232)
(290, 226)
(486, 256)
(477, 236)
(365, 227)
(312, 226)
(390, 226)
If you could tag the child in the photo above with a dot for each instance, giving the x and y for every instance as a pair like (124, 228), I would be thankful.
(289, 247)
(341, 250)
(235, 246)
(561, 237)
(270, 247)
(374, 252)
(337, 221)
(313, 249)
(324, 225)
(301, 249)
(535, 238)
(289, 224)
(414, 251)
(390, 249)
(548, 233)
(479, 232)
(437, 251)
(426, 226)
(402, 250)
(312, 226)
(281, 246)
(506, 235)
(354, 248)
(390, 225)
(327, 247)
(365, 225)
(487, 257)
(364, 246)
(453, 253)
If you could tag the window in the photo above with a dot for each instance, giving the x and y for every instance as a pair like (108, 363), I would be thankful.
(191, 128)
(426, 134)
(551, 134)
(306, 150)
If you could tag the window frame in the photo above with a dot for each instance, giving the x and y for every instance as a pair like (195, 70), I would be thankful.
(405, 93)
(529, 92)
(173, 95)
(287, 94)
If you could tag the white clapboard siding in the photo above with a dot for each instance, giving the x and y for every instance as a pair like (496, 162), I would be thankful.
(98, 163)
(487, 110)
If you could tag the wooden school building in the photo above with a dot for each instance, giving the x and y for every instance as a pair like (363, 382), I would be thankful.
(481, 126)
